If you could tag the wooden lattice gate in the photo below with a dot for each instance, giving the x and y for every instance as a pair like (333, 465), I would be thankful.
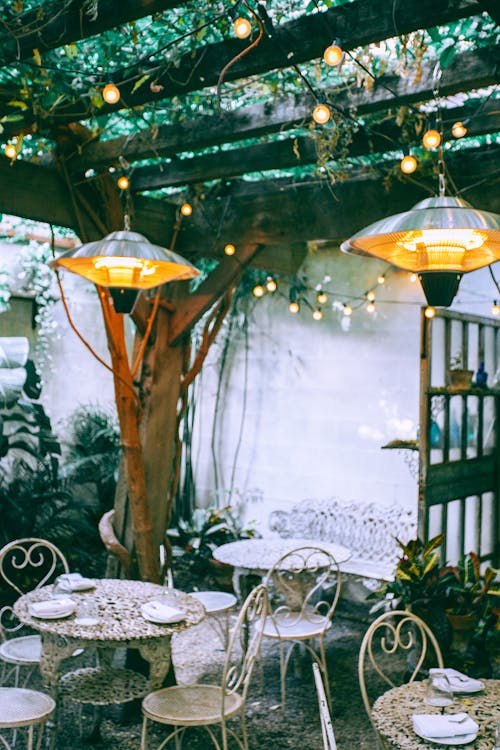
(459, 441)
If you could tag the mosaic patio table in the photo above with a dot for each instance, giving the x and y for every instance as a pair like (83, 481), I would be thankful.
(392, 716)
(254, 557)
(120, 624)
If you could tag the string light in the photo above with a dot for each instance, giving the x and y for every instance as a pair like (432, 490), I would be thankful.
(111, 93)
(271, 284)
(408, 164)
(230, 249)
(317, 314)
(10, 151)
(495, 310)
(322, 297)
(370, 308)
(347, 310)
(321, 113)
(458, 129)
(430, 312)
(258, 290)
(333, 54)
(381, 279)
(123, 182)
(294, 307)
(186, 209)
(431, 139)
(370, 296)
(241, 25)
(413, 277)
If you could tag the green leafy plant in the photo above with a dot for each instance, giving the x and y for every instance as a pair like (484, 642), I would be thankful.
(465, 590)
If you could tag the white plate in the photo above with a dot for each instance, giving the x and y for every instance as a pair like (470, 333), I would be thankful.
(156, 617)
(459, 739)
(66, 612)
(84, 584)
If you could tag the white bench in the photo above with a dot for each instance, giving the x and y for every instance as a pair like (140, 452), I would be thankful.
(369, 530)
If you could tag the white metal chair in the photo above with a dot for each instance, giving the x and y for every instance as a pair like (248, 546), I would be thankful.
(324, 713)
(395, 649)
(303, 587)
(22, 709)
(218, 607)
(206, 706)
(25, 564)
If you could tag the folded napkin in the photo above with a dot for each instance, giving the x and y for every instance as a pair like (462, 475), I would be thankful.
(157, 611)
(460, 683)
(75, 582)
(443, 725)
(52, 607)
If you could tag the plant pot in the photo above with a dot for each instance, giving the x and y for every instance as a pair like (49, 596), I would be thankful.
(460, 378)
(222, 574)
(462, 630)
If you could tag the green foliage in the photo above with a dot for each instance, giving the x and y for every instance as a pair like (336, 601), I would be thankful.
(464, 589)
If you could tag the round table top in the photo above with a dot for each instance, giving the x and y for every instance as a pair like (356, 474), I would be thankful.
(120, 619)
(261, 554)
(392, 715)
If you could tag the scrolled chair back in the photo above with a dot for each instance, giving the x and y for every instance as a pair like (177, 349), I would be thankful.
(304, 584)
(27, 564)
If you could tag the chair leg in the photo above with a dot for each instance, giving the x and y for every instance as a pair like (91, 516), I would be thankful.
(244, 733)
(324, 669)
(144, 734)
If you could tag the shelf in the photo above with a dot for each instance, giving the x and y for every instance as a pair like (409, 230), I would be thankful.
(411, 445)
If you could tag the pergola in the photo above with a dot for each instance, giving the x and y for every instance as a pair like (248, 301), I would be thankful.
(260, 175)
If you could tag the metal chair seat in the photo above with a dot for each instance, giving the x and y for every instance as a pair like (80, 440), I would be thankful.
(190, 705)
(20, 707)
(215, 602)
(24, 650)
(103, 686)
(295, 627)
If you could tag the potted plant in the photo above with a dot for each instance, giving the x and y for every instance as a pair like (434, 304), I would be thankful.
(458, 375)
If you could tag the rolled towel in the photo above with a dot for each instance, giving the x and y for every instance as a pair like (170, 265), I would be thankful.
(157, 611)
(443, 725)
(52, 607)
(460, 683)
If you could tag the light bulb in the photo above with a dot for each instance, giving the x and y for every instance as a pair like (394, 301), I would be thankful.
(495, 310)
(413, 277)
(430, 312)
(271, 284)
(111, 93)
(317, 314)
(333, 54)
(294, 307)
(322, 298)
(370, 308)
(123, 182)
(408, 164)
(381, 279)
(10, 151)
(370, 296)
(347, 310)
(458, 129)
(230, 249)
(258, 290)
(431, 139)
(242, 27)
(186, 209)
(321, 113)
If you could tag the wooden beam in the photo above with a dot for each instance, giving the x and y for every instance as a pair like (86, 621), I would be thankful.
(299, 151)
(49, 26)
(466, 71)
(189, 310)
(357, 23)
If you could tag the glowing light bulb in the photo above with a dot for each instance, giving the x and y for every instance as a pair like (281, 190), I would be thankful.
(317, 314)
(431, 139)
(230, 249)
(408, 164)
(381, 279)
(322, 298)
(347, 310)
(413, 277)
(370, 296)
(186, 209)
(10, 151)
(495, 310)
(430, 312)
(294, 307)
(242, 27)
(123, 182)
(370, 308)
(333, 54)
(271, 284)
(111, 93)
(321, 113)
(258, 290)
(458, 129)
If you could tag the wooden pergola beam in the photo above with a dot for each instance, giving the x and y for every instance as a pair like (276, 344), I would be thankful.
(47, 27)
(294, 152)
(357, 23)
(466, 71)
